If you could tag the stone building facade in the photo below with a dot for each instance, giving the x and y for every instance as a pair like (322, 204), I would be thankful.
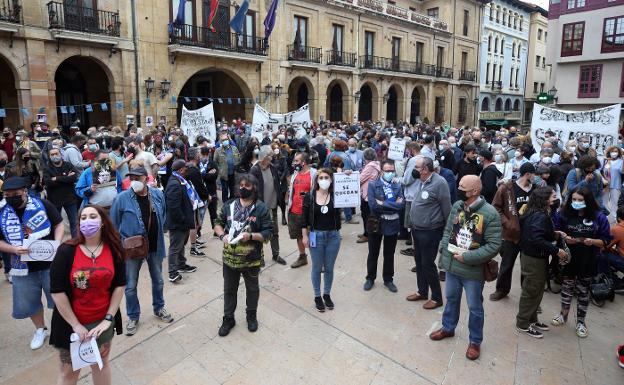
(349, 59)
(538, 72)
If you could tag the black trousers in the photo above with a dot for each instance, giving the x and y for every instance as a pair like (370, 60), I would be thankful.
(509, 252)
(231, 279)
(374, 245)
(212, 210)
(426, 243)
(365, 214)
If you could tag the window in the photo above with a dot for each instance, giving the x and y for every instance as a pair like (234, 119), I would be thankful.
(538, 60)
(534, 87)
(622, 82)
(509, 20)
(543, 62)
(494, 72)
(489, 43)
(500, 73)
(496, 45)
(589, 81)
(516, 106)
(517, 71)
(513, 50)
(420, 49)
(545, 37)
(466, 21)
(301, 32)
(434, 12)
(464, 61)
(337, 40)
(440, 57)
(504, 16)
(249, 30)
(511, 78)
(439, 109)
(499, 105)
(485, 104)
(520, 23)
(369, 44)
(491, 13)
(572, 39)
(508, 105)
(396, 52)
(487, 73)
(518, 54)
(502, 47)
(539, 34)
(576, 4)
(613, 34)
(498, 13)
(463, 110)
(188, 11)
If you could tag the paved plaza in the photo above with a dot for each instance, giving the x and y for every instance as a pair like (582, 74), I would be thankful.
(374, 337)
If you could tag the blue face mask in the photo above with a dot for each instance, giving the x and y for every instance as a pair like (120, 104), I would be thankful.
(578, 205)
(352, 149)
(225, 143)
(388, 176)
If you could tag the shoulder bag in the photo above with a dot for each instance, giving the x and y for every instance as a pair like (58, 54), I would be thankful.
(137, 247)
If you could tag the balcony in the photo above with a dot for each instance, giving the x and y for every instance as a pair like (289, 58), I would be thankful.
(443, 72)
(192, 39)
(82, 19)
(497, 86)
(341, 58)
(304, 53)
(469, 76)
(396, 65)
(10, 11)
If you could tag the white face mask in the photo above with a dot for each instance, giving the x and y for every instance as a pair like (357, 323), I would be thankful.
(615, 154)
(504, 143)
(324, 184)
(547, 159)
(453, 145)
(498, 158)
(585, 145)
(517, 154)
(137, 186)
(276, 151)
(441, 147)
(572, 148)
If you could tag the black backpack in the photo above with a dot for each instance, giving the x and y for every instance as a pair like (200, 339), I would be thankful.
(601, 288)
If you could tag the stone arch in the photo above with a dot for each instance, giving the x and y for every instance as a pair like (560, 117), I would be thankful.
(417, 104)
(367, 105)
(485, 104)
(338, 97)
(301, 91)
(394, 104)
(516, 105)
(508, 104)
(9, 96)
(498, 106)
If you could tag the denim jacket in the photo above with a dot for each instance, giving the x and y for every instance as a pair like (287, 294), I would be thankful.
(375, 191)
(83, 186)
(126, 216)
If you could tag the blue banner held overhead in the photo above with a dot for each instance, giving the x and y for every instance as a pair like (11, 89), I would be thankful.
(89, 108)
(63, 109)
(104, 106)
(2, 113)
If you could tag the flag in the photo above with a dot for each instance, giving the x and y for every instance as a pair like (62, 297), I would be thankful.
(239, 100)
(229, 100)
(119, 105)
(238, 21)
(174, 99)
(63, 109)
(104, 107)
(72, 110)
(2, 113)
(179, 20)
(148, 102)
(269, 21)
(25, 112)
(89, 108)
(214, 5)
(42, 110)
(188, 100)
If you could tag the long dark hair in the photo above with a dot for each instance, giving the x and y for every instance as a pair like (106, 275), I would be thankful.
(538, 201)
(591, 205)
(329, 172)
(110, 235)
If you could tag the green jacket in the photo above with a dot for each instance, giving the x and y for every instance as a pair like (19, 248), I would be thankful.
(478, 230)
(250, 253)
(220, 158)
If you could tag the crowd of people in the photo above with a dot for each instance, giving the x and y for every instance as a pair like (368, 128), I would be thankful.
(458, 198)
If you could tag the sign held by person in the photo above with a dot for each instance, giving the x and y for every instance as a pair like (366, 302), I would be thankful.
(39, 250)
(600, 125)
(262, 118)
(346, 190)
(200, 122)
(396, 149)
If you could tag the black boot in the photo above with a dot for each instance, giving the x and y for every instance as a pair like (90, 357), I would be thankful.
(252, 322)
(228, 324)
(328, 301)
(320, 305)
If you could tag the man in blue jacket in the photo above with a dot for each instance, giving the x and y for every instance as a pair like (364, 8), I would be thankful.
(140, 210)
(100, 183)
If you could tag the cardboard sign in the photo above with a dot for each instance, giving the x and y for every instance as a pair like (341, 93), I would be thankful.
(262, 118)
(200, 122)
(39, 250)
(346, 190)
(396, 149)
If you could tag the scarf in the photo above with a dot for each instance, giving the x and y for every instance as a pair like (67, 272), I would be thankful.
(387, 189)
(190, 190)
(36, 223)
(239, 218)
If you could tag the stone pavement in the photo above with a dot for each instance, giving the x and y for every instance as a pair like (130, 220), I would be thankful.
(374, 337)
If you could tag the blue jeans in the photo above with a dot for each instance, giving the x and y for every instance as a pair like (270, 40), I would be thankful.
(133, 266)
(27, 293)
(6, 262)
(608, 260)
(474, 297)
(324, 257)
(71, 209)
(348, 213)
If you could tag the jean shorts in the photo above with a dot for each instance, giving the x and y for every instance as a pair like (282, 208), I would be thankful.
(27, 293)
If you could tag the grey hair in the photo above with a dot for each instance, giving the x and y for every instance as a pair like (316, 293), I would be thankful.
(193, 153)
(428, 163)
(265, 151)
(370, 154)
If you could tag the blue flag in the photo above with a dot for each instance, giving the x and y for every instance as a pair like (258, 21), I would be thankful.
(25, 112)
(119, 105)
(174, 99)
(2, 113)
(89, 108)
(238, 21)
(148, 102)
(42, 110)
(179, 20)
(63, 109)
(269, 21)
(72, 110)
(104, 107)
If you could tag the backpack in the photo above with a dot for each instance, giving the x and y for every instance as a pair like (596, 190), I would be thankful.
(601, 288)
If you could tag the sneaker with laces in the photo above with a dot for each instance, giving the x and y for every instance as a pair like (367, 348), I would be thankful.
(131, 327)
(38, 338)
(558, 320)
(175, 278)
(164, 315)
(195, 252)
(328, 302)
(531, 331)
(620, 356)
(320, 305)
(541, 326)
(187, 269)
(581, 330)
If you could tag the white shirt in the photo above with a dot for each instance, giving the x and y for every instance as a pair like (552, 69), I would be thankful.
(148, 160)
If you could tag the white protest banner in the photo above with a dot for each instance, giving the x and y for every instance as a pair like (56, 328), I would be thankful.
(39, 250)
(200, 122)
(85, 353)
(346, 190)
(262, 118)
(396, 150)
(600, 125)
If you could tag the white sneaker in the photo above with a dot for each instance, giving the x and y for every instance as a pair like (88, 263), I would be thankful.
(581, 330)
(38, 338)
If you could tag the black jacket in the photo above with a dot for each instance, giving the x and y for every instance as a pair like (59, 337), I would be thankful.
(194, 176)
(463, 168)
(447, 159)
(210, 180)
(256, 171)
(179, 214)
(489, 179)
(61, 190)
(537, 236)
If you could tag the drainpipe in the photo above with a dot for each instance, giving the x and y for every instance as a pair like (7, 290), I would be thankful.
(135, 43)
(453, 58)
(478, 69)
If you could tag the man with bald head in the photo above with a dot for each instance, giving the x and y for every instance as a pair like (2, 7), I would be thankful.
(472, 237)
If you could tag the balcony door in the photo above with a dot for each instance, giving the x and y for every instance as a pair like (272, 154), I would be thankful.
(337, 43)
(396, 54)
(369, 47)
(247, 39)
(221, 23)
(81, 15)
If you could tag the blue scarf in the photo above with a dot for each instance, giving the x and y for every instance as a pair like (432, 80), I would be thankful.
(190, 190)
(387, 189)
(35, 221)
(203, 167)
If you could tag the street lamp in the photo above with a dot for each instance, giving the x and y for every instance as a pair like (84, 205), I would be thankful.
(278, 90)
(552, 92)
(386, 97)
(149, 86)
(268, 89)
(165, 86)
(357, 96)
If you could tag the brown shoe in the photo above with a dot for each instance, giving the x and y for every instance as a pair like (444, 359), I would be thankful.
(497, 295)
(431, 304)
(441, 334)
(473, 352)
(301, 261)
(362, 240)
(416, 297)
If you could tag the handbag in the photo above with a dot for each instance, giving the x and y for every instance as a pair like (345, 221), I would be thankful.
(373, 225)
(490, 270)
(137, 247)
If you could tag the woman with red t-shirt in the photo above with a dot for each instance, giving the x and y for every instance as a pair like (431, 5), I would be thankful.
(87, 282)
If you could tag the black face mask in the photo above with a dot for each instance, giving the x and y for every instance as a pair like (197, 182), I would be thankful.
(298, 167)
(461, 195)
(245, 193)
(16, 202)
(3, 162)
(415, 174)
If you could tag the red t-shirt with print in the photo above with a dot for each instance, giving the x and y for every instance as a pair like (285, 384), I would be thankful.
(91, 281)
(301, 185)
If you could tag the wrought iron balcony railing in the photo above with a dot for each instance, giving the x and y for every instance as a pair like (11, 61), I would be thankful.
(304, 53)
(396, 65)
(195, 36)
(82, 19)
(10, 11)
(470, 76)
(497, 85)
(443, 72)
(341, 58)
